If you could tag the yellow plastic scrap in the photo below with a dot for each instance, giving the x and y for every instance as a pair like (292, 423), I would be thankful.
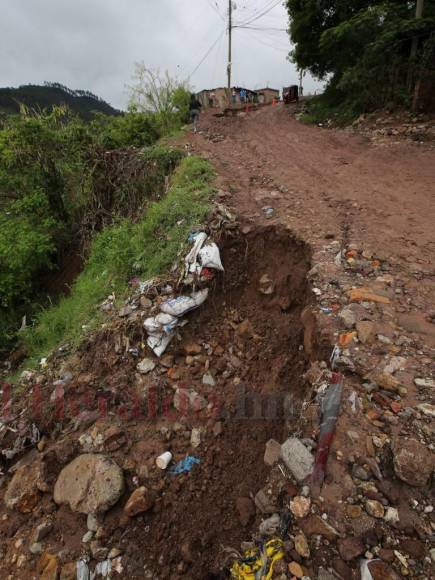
(257, 563)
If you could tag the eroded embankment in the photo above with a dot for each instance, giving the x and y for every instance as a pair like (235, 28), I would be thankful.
(241, 356)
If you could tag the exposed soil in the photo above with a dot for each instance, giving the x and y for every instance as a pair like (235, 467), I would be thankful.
(321, 212)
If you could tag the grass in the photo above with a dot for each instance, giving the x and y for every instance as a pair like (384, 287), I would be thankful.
(146, 249)
(323, 109)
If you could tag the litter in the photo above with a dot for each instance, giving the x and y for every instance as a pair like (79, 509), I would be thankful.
(161, 323)
(184, 465)
(164, 460)
(258, 562)
(183, 304)
(159, 343)
(210, 257)
(190, 260)
(330, 409)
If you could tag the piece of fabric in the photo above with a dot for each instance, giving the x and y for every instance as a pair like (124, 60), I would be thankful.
(257, 563)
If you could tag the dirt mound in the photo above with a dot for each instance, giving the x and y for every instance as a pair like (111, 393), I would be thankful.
(241, 357)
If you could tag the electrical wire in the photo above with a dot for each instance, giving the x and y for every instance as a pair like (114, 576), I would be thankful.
(207, 53)
(266, 10)
(214, 6)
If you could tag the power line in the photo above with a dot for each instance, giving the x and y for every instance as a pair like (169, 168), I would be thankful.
(214, 6)
(265, 11)
(207, 53)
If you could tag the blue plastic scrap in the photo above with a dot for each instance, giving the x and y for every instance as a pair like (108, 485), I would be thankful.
(184, 465)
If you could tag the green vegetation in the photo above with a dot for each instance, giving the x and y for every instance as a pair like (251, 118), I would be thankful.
(51, 95)
(62, 181)
(373, 53)
(146, 249)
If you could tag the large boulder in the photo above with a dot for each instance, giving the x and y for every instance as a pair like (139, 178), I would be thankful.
(413, 461)
(91, 483)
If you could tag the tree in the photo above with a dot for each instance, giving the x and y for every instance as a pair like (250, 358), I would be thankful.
(362, 47)
(158, 93)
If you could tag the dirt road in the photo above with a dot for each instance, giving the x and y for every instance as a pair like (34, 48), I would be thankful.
(332, 182)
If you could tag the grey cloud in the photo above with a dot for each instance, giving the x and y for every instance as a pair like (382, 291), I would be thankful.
(93, 44)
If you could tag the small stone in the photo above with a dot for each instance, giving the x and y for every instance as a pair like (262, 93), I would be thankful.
(427, 409)
(269, 527)
(375, 508)
(146, 366)
(360, 473)
(141, 500)
(413, 462)
(295, 569)
(192, 348)
(315, 525)
(92, 523)
(347, 316)
(195, 437)
(88, 537)
(272, 452)
(350, 548)
(36, 548)
(24, 489)
(297, 458)
(208, 380)
(41, 531)
(266, 285)
(354, 511)
(392, 515)
(47, 567)
(429, 383)
(114, 553)
(432, 554)
(301, 546)
(264, 503)
(98, 552)
(300, 506)
(366, 331)
(381, 571)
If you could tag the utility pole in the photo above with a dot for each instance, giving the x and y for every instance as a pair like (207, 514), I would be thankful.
(230, 30)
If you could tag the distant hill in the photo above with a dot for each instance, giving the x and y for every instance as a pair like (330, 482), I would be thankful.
(84, 103)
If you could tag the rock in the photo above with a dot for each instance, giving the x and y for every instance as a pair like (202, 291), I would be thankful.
(295, 569)
(427, 409)
(425, 383)
(141, 500)
(146, 366)
(192, 348)
(315, 525)
(98, 552)
(114, 438)
(264, 503)
(366, 331)
(91, 483)
(36, 548)
(413, 462)
(24, 489)
(92, 523)
(387, 555)
(208, 380)
(272, 452)
(375, 508)
(246, 510)
(354, 511)
(350, 548)
(297, 458)
(69, 571)
(47, 567)
(432, 554)
(301, 546)
(88, 537)
(392, 515)
(300, 506)
(381, 571)
(323, 574)
(41, 531)
(347, 316)
(125, 311)
(269, 527)
(195, 437)
(266, 285)
(360, 473)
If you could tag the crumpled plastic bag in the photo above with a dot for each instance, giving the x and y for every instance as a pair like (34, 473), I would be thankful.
(183, 304)
(159, 343)
(162, 323)
(191, 258)
(209, 257)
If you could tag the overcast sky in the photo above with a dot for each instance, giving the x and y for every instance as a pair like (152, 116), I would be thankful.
(93, 44)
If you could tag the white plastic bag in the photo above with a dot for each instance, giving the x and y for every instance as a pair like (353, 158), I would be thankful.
(190, 259)
(160, 323)
(210, 257)
(183, 304)
(159, 343)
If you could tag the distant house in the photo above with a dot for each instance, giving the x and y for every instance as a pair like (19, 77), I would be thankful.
(218, 97)
(266, 95)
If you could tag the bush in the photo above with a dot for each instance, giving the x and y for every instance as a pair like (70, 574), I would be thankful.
(146, 248)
